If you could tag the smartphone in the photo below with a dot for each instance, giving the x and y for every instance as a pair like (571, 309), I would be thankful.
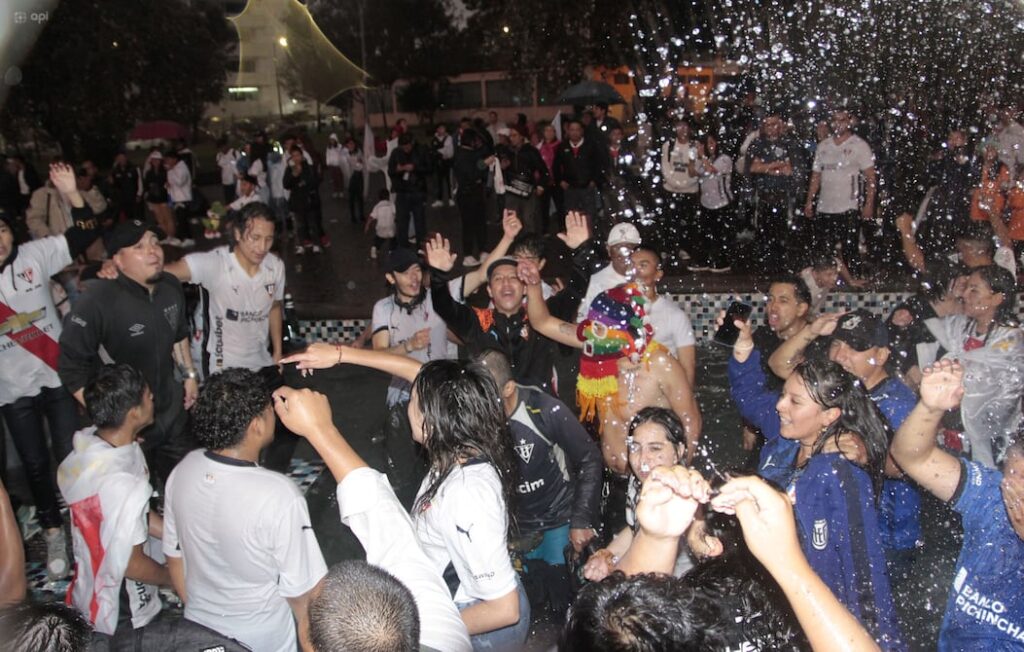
(727, 334)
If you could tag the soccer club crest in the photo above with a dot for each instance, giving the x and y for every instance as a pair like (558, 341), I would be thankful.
(819, 537)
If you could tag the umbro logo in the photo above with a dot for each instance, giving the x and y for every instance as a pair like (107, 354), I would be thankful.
(137, 329)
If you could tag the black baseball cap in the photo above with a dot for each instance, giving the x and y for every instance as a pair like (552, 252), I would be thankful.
(129, 232)
(861, 330)
(504, 260)
(400, 260)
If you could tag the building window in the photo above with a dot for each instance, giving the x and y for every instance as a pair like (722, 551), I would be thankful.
(379, 100)
(509, 92)
(462, 95)
(244, 93)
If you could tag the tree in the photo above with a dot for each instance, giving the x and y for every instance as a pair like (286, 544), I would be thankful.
(99, 68)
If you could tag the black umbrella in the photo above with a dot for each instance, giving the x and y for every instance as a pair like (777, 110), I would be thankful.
(590, 92)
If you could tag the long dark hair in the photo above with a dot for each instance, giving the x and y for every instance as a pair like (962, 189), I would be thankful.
(830, 386)
(463, 419)
(1000, 281)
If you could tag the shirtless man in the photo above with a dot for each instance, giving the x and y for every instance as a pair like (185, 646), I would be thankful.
(645, 373)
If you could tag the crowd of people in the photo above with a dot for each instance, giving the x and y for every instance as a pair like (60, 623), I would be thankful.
(546, 450)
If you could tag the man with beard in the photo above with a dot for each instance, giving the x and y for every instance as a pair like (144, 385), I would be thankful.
(139, 319)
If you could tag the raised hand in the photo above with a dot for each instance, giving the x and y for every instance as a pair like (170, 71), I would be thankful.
(577, 231)
(511, 224)
(528, 271)
(439, 254)
(826, 324)
(669, 499)
(745, 341)
(766, 516)
(62, 176)
(942, 385)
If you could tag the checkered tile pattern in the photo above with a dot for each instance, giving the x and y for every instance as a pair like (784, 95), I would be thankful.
(303, 472)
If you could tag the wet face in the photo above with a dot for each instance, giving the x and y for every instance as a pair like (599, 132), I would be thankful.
(647, 269)
(841, 122)
(783, 309)
(973, 253)
(409, 282)
(506, 290)
(861, 364)
(575, 131)
(6, 242)
(622, 257)
(979, 299)
(711, 146)
(822, 130)
(143, 261)
(254, 245)
(801, 418)
(649, 448)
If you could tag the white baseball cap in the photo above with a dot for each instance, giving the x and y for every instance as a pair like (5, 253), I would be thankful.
(624, 233)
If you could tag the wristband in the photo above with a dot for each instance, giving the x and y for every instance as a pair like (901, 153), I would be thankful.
(743, 349)
(190, 374)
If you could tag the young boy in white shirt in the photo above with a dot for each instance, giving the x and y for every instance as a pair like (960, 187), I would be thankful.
(382, 217)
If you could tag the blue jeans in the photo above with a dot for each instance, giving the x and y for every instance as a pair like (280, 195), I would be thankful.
(509, 638)
(24, 419)
(551, 548)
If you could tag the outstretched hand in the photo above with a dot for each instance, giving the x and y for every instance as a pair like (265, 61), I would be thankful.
(942, 385)
(826, 324)
(438, 252)
(511, 224)
(62, 176)
(303, 411)
(669, 499)
(577, 231)
(318, 355)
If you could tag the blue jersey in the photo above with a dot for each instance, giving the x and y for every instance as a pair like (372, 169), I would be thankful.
(756, 403)
(900, 504)
(986, 604)
(837, 521)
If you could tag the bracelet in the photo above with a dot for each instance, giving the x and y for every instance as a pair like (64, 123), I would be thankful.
(190, 374)
(743, 349)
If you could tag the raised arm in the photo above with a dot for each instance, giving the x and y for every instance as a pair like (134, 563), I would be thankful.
(541, 320)
(790, 353)
(911, 250)
(321, 355)
(511, 226)
(459, 317)
(766, 516)
(914, 447)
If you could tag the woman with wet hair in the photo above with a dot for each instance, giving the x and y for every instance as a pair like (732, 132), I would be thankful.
(826, 444)
(461, 513)
(655, 437)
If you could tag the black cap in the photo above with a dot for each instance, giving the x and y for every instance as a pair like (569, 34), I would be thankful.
(251, 179)
(7, 218)
(861, 330)
(400, 260)
(504, 260)
(129, 233)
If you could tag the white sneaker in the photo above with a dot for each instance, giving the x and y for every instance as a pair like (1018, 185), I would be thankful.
(317, 249)
(299, 250)
(437, 204)
(373, 252)
(57, 566)
(469, 261)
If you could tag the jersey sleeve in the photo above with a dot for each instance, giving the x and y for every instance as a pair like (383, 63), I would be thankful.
(203, 267)
(474, 532)
(979, 496)
(279, 280)
(755, 402)
(170, 543)
(300, 563)
(379, 320)
(866, 157)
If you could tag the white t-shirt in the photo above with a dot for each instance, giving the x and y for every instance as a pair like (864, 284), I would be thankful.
(466, 524)
(276, 178)
(716, 187)
(384, 214)
(240, 306)
(840, 166)
(671, 324)
(244, 200)
(401, 324)
(246, 542)
(601, 281)
(226, 162)
(179, 183)
(818, 293)
(25, 291)
(369, 507)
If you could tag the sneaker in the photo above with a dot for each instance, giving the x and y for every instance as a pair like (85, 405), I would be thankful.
(373, 252)
(437, 204)
(721, 270)
(469, 261)
(451, 202)
(57, 566)
(325, 242)
(299, 250)
(29, 523)
(317, 249)
(684, 254)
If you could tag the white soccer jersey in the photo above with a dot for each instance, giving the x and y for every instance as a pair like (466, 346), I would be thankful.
(247, 544)
(29, 323)
(840, 166)
(239, 328)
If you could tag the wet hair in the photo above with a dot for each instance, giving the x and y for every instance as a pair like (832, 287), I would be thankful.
(529, 244)
(44, 627)
(497, 363)
(830, 386)
(363, 608)
(938, 278)
(463, 419)
(241, 220)
(675, 432)
(113, 391)
(1000, 281)
(981, 234)
(648, 612)
(227, 405)
(800, 289)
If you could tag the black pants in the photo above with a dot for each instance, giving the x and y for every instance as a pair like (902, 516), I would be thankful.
(229, 193)
(679, 217)
(772, 232)
(356, 207)
(714, 236)
(444, 180)
(473, 210)
(24, 419)
(308, 225)
(410, 205)
(842, 229)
